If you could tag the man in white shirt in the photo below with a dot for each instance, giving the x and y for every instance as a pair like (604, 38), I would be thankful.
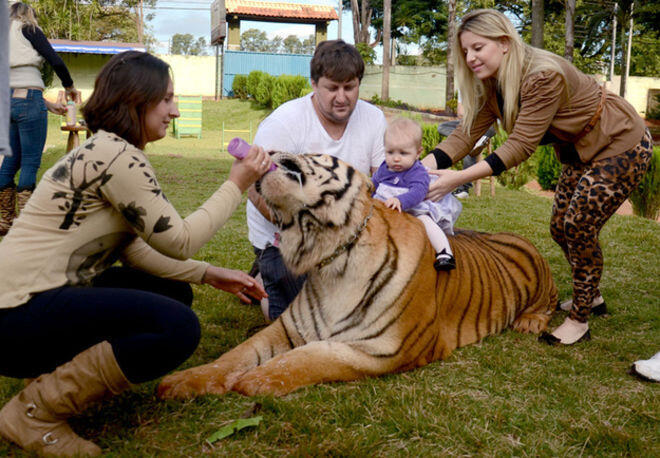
(330, 120)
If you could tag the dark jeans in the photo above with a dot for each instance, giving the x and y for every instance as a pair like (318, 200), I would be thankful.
(280, 284)
(27, 137)
(147, 320)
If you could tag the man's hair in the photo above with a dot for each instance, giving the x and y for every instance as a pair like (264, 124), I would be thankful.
(337, 61)
(129, 84)
(407, 128)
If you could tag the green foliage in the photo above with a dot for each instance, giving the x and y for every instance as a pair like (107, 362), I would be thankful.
(430, 137)
(239, 86)
(99, 20)
(253, 80)
(654, 112)
(47, 73)
(185, 44)
(264, 93)
(288, 87)
(516, 177)
(405, 59)
(452, 104)
(367, 52)
(645, 199)
(549, 167)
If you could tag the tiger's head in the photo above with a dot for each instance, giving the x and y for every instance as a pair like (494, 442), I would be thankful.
(317, 201)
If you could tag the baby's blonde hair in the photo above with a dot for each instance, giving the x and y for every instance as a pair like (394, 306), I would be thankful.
(405, 127)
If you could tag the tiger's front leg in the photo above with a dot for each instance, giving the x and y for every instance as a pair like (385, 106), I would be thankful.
(315, 362)
(219, 376)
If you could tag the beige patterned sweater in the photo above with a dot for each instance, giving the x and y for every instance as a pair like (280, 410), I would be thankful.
(100, 203)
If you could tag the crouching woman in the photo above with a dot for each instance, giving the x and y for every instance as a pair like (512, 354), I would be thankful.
(84, 329)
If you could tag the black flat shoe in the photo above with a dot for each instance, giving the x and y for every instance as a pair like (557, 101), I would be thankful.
(549, 339)
(444, 262)
(599, 310)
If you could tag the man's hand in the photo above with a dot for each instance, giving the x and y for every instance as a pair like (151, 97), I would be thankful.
(393, 203)
(235, 282)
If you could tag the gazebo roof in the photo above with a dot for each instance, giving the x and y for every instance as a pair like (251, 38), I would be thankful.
(294, 12)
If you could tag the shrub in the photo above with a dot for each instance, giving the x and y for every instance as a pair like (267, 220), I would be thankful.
(549, 167)
(430, 137)
(654, 113)
(304, 91)
(518, 176)
(239, 87)
(253, 80)
(645, 199)
(367, 52)
(264, 91)
(288, 87)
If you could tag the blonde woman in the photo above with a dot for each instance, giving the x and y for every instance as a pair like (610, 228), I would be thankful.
(542, 98)
(28, 49)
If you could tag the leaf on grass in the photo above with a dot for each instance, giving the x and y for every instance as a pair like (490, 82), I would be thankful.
(233, 427)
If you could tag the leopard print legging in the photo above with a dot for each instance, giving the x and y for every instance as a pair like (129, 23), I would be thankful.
(585, 198)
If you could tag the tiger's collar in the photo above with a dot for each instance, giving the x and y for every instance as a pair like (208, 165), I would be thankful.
(340, 249)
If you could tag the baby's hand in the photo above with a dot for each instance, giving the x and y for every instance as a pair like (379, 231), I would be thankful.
(393, 203)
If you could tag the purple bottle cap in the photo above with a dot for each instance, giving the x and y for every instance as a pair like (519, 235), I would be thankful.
(239, 148)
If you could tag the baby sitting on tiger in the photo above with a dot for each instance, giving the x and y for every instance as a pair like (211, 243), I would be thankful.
(402, 182)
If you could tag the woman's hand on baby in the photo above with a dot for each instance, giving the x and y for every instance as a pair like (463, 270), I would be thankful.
(447, 181)
(393, 203)
(253, 166)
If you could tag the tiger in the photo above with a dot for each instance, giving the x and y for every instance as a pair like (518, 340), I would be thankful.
(372, 302)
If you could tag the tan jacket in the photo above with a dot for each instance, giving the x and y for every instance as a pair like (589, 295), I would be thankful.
(543, 107)
(99, 203)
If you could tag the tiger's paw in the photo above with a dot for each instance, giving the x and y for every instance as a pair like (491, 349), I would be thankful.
(256, 383)
(189, 383)
(531, 323)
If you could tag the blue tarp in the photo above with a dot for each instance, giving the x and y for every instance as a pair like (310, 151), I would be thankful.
(94, 49)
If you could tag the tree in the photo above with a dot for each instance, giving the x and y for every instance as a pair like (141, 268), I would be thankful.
(385, 86)
(292, 45)
(451, 31)
(254, 40)
(97, 20)
(537, 23)
(570, 28)
(186, 45)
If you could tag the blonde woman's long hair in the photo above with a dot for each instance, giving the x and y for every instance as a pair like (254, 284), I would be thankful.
(23, 13)
(519, 61)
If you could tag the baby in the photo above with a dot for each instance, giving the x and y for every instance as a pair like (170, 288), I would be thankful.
(402, 183)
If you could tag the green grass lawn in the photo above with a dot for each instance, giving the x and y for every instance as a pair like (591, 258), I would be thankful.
(508, 395)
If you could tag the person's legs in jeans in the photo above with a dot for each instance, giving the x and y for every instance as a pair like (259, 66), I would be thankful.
(280, 284)
(32, 130)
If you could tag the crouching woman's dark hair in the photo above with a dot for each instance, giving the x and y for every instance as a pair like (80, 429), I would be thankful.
(125, 87)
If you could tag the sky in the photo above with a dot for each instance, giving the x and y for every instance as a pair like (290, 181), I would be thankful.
(194, 17)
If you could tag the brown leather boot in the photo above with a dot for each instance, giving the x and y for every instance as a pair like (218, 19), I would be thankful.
(7, 209)
(21, 199)
(35, 418)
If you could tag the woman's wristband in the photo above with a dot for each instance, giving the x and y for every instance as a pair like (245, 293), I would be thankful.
(442, 160)
(495, 163)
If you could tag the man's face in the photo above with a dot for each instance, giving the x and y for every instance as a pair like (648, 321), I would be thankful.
(336, 100)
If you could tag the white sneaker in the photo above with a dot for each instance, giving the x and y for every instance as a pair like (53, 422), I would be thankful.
(648, 369)
(461, 195)
(598, 306)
